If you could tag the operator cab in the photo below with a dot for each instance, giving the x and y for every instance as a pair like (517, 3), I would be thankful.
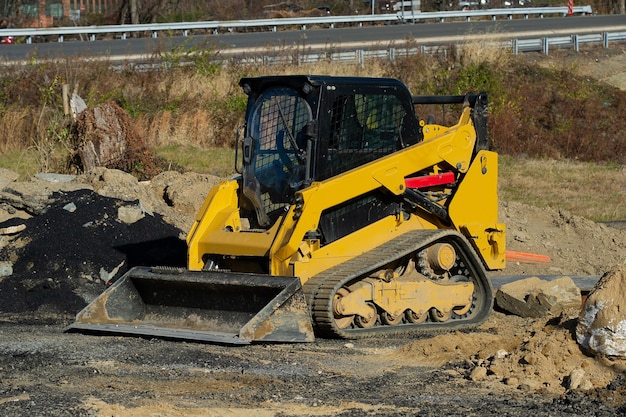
(301, 129)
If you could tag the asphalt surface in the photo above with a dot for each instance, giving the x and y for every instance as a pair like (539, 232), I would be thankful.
(317, 38)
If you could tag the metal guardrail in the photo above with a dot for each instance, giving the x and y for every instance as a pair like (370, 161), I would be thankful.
(573, 41)
(186, 28)
(360, 55)
(297, 57)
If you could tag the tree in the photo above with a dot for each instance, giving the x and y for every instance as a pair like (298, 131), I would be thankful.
(134, 12)
(41, 8)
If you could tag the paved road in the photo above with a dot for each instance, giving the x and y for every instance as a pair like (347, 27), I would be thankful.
(338, 38)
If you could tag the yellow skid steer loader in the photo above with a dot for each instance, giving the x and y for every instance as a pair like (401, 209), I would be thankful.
(350, 217)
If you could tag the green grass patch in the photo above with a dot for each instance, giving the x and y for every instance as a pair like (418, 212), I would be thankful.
(215, 161)
(26, 163)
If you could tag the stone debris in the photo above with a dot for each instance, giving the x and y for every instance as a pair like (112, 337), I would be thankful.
(576, 378)
(12, 230)
(130, 214)
(535, 297)
(6, 177)
(176, 196)
(71, 207)
(478, 373)
(52, 177)
(601, 325)
(6, 269)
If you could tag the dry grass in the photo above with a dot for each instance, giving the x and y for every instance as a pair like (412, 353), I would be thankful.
(16, 125)
(593, 190)
(190, 128)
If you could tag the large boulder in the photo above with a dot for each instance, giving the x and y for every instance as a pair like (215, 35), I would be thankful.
(601, 325)
(535, 297)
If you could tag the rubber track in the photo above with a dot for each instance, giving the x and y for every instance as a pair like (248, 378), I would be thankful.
(321, 288)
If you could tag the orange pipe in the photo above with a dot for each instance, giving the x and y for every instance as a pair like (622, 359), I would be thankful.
(530, 258)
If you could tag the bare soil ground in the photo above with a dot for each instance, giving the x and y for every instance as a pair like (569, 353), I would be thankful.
(73, 242)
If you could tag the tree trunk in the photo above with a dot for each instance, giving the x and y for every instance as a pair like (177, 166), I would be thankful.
(42, 13)
(66, 8)
(134, 14)
(161, 10)
(123, 12)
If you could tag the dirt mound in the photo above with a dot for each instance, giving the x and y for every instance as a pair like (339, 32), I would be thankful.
(64, 239)
(67, 255)
(524, 354)
(575, 245)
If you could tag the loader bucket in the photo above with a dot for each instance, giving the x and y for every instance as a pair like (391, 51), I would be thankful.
(221, 307)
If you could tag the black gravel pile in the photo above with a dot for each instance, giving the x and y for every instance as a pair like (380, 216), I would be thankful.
(66, 256)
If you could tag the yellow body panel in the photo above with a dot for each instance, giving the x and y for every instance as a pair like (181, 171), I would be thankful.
(474, 209)
(218, 225)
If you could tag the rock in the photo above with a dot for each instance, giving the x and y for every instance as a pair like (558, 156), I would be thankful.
(532, 358)
(77, 104)
(71, 207)
(478, 374)
(106, 276)
(501, 354)
(130, 214)
(6, 269)
(184, 191)
(52, 177)
(512, 381)
(601, 325)
(529, 384)
(534, 297)
(575, 378)
(12, 230)
(124, 186)
(33, 197)
(497, 368)
(8, 212)
(7, 176)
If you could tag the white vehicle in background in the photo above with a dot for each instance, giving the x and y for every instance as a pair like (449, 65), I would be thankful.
(473, 4)
(485, 4)
(410, 6)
